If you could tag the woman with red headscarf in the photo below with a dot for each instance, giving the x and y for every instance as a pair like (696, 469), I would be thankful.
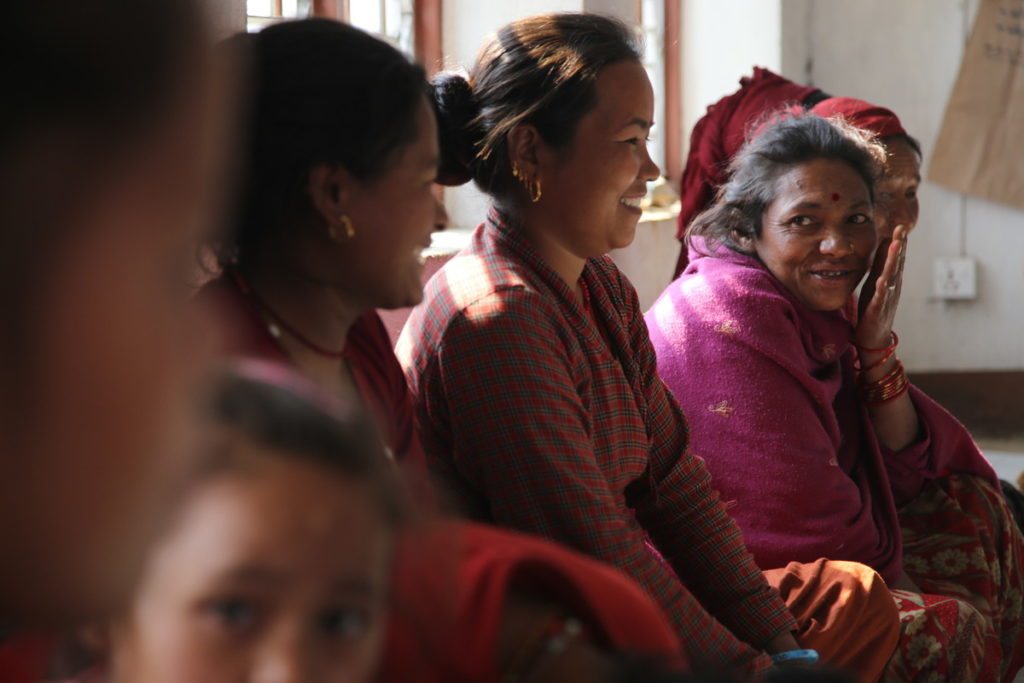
(896, 190)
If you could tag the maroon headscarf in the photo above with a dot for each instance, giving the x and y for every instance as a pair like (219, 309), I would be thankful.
(720, 133)
(879, 120)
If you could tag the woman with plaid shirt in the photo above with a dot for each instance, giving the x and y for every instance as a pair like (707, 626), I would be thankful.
(534, 379)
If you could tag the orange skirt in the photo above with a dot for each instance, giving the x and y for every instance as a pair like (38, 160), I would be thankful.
(844, 611)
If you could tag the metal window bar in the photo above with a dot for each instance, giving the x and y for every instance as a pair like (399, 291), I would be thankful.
(392, 20)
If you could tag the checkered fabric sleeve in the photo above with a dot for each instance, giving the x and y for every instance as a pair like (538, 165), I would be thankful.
(521, 435)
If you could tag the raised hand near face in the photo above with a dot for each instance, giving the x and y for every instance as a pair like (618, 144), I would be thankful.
(880, 295)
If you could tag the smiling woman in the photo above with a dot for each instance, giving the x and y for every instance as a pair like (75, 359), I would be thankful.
(818, 236)
(334, 210)
(530, 364)
(802, 200)
(728, 123)
(804, 415)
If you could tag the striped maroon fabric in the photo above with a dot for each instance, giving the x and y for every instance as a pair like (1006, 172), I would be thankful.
(534, 423)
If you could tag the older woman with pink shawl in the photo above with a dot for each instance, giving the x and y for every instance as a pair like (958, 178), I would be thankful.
(726, 126)
(804, 415)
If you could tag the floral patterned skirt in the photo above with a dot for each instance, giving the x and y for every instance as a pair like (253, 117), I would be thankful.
(963, 549)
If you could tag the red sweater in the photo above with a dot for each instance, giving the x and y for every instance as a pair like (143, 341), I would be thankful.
(452, 580)
(379, 377)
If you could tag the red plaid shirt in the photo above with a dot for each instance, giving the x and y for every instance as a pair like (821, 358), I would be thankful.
(534, 423)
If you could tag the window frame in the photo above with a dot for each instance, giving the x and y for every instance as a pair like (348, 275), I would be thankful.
(425, 33)
(428, 44)
(664, 30)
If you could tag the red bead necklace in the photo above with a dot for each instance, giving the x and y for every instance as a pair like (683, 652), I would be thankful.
(277, 323)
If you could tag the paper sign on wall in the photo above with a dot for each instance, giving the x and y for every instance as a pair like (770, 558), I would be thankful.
(980, 148)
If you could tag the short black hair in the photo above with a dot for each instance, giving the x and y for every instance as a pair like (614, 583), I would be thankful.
(290, 418)
(319, 92)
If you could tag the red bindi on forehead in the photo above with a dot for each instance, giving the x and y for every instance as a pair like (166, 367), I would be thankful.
(836, 197)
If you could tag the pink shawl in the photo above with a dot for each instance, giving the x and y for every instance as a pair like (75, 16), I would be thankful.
(767, 386)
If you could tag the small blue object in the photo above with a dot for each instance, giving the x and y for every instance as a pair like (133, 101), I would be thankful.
(796, 657)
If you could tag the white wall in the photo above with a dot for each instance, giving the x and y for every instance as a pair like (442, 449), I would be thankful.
(722, 41)
(624, 10)
(226, 17)
(909, 61)
(467, 23)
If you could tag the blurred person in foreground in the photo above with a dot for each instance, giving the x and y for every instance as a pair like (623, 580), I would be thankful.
(109, 151)
(108, 159)
(277, 565)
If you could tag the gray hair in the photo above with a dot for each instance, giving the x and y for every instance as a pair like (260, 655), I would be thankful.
(787, 141)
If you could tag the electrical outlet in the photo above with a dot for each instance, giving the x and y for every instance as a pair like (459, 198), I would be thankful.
(955, 279)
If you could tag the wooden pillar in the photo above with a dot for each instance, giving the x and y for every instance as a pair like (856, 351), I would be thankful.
(427, 34)
(673, 92)
(330, 9)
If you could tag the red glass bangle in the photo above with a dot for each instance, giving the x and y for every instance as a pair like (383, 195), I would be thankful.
(890, 397)
(888, 388)
(888, 349)
(881, 361)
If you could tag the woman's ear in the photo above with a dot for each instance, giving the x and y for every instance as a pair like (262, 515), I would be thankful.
(524, 150)
(329, 189)
(743, 242)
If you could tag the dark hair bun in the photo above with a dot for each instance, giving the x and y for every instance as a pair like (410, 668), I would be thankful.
(458, 128)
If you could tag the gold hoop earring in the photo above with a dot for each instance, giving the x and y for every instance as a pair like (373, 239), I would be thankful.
(346, 225)
(532, 186)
